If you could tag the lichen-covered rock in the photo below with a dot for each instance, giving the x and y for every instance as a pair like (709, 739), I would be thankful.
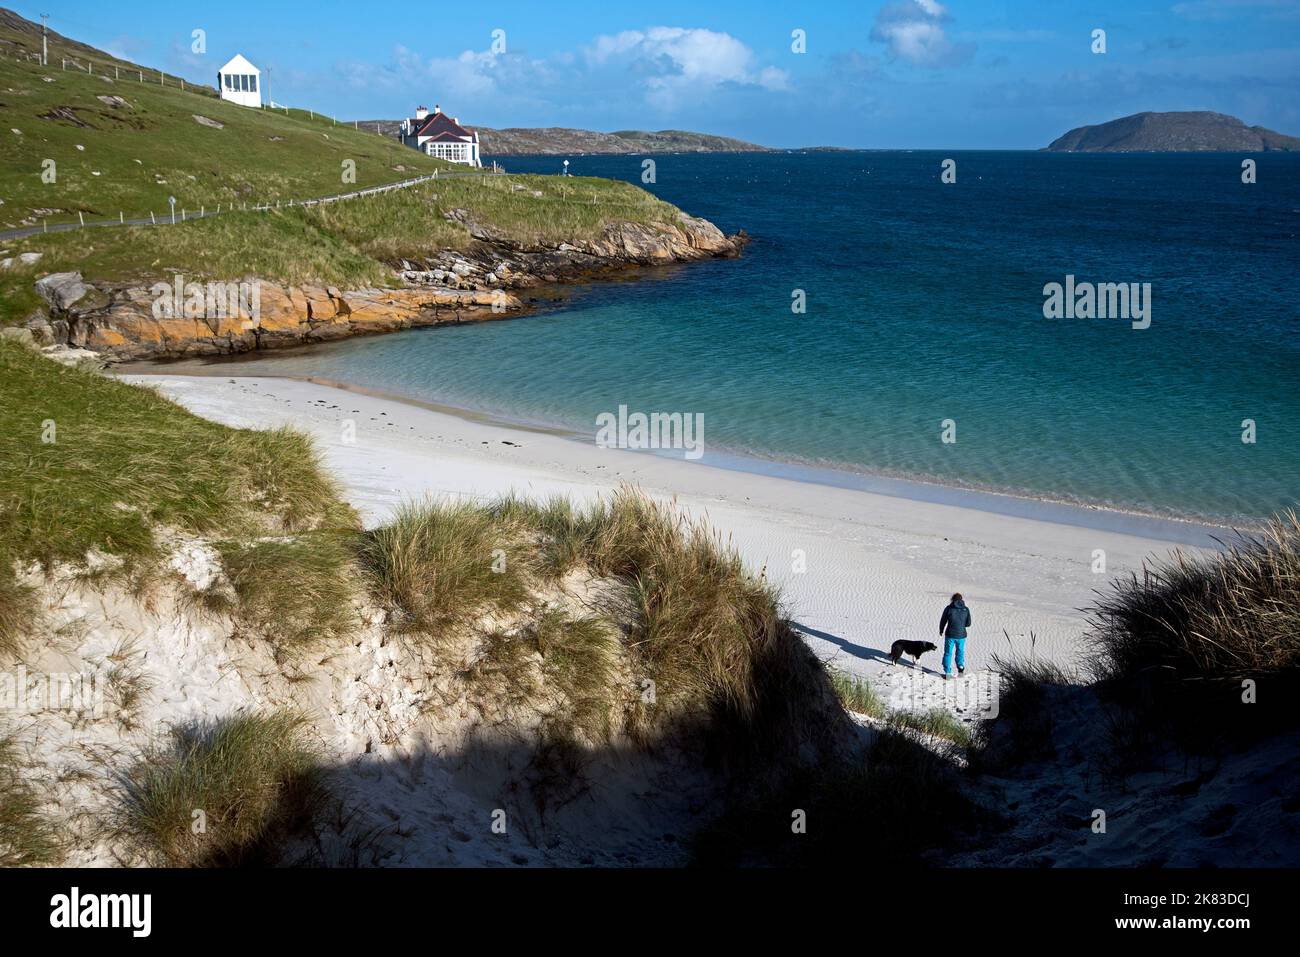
(130, 327)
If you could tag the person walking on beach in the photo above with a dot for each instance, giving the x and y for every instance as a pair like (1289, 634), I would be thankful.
(952, 628)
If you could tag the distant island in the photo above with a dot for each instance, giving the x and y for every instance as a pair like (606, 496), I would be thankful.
(556, 140)
(1197, 130)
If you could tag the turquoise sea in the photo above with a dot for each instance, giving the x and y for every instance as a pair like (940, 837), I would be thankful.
(925, 304)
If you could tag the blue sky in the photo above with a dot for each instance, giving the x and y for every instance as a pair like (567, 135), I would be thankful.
(956, 74)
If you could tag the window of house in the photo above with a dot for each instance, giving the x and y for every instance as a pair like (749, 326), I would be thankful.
(252, 83)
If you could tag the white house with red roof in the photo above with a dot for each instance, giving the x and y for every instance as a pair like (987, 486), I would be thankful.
(441, 136)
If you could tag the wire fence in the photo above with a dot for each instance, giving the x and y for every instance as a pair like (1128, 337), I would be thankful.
(117, 71)
(185, 215)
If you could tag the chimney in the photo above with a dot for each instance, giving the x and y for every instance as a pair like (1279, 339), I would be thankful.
(456, 120)
(421, 112)
(437, 108)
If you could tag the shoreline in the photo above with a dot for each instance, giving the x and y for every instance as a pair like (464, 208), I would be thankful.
(857, 569)
(1174, 528)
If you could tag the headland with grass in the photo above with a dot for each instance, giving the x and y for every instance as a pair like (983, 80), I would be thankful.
(89, 141)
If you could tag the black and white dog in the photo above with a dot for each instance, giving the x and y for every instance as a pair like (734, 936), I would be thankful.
(914, 649)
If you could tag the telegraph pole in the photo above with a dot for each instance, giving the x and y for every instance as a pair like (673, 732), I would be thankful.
(45, 43)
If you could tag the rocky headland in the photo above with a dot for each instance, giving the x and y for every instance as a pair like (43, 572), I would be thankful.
(486, 280)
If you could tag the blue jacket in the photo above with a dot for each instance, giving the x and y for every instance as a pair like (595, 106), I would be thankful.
(955, 620)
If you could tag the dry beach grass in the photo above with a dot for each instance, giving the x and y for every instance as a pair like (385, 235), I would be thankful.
(223, 792)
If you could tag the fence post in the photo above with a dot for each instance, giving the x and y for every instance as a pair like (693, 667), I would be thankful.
(152, 220)
(80, 218)
(121, 218)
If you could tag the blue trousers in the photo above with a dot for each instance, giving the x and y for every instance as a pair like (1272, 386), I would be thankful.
(949, 645)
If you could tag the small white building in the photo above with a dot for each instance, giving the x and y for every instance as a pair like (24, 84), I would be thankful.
(240, 82)
(441, 136)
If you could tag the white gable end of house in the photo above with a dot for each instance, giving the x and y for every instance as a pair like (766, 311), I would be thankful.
(240, 82)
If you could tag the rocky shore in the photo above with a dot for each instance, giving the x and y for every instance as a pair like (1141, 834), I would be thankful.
(126, 321)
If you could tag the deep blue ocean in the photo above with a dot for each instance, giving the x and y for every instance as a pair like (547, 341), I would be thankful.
(925, 303)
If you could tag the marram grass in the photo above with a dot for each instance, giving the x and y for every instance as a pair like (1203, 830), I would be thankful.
(27, 835)
(1233, 614)
(223, 792)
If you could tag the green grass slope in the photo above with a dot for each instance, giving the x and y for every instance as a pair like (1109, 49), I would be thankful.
(90, 464)
(120, 144)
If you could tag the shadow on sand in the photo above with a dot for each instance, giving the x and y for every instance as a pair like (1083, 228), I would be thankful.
(859, 651)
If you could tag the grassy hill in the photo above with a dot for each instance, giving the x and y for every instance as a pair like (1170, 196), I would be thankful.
(122, 141)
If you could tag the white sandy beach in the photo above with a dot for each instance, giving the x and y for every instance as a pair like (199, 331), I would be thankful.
(878, 567)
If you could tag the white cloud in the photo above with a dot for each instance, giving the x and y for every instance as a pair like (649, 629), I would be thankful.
(671, 69)
(469, 80)
(681, 62)
(914, 31)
